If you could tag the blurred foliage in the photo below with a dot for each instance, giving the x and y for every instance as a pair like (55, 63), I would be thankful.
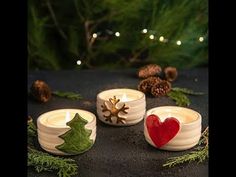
(60, 33)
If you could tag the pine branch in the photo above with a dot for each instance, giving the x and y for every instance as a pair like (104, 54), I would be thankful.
(204, 137)
(61, 32)
(158, 17)
(69, 95)
(180, 98)
(187, 91)
(103, 19)
(45, 162)
(78, 11)
(31, 131)
(199, 154)
(179, 95)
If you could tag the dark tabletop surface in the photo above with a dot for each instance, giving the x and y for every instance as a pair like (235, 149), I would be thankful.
(120, 151)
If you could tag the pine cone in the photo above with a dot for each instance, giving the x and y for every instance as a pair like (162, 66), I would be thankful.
(161, 88)
(170, 73)
(146, 84)
(41, 91)
(149, 70)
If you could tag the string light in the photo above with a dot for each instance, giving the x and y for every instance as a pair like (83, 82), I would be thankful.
(151, 37)
(201, 39)
(78, 62)
(178, 42)
(144, 30)
(95, 35)
(117, 34)
(161, 39)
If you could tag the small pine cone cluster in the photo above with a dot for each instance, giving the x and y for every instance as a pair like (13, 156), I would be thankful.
(149, 70)
(146, 84)
(161, 88)
(40, 91)
(170, 73)
(155, 86)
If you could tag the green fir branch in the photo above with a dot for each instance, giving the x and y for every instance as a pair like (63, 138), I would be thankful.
(204, 137)
(31, 131)
(186, 91)
(199, 154)
(48, 51)
(69, 95)
(45, 162)
(179, 95)
(180, 98)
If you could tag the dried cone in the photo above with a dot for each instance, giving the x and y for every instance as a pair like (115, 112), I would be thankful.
(149, 70)
(170, 73)
(146, 84)
(41, 91)
(161, 88)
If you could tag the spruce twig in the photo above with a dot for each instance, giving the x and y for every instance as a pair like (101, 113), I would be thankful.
(187, 91)
(45, 162)
(69, 95)
(31, 128)
(199, 154)
(31, 131)
(204, 136)
(61, 32)
(179, 95)
(180, 98)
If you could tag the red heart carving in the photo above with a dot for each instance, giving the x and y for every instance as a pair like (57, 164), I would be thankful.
(162, 132)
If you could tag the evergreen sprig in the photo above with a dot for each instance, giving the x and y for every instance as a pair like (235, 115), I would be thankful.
(187, 91)
(199, 154)
(69, 95)
(31, 131)
(179, 95)
(46, 162)
(180, 98)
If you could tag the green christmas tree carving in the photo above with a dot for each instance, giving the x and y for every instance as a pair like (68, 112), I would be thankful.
(76, 140)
